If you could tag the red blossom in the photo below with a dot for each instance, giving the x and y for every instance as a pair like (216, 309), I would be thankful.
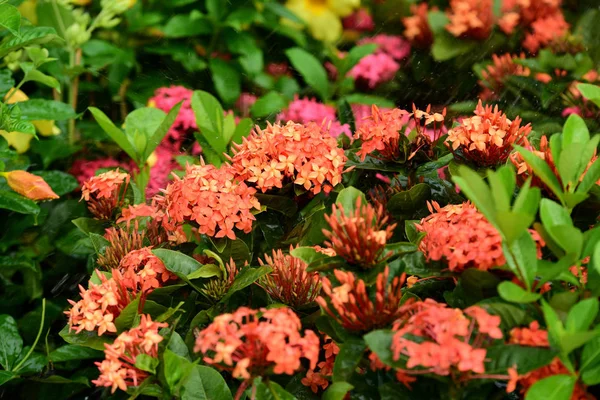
(105, 193)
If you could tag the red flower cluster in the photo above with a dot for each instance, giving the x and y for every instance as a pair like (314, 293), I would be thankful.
(381, 133)
(487, 138)
(143, 270)
(360, 237)
(293, 152)
(251, 343)
(472, 19)
(349, 303)
(317, 379)
(542, 20)
(118, 369)
(417, 26)
(449, 340)
(289, 282)
(212, 198)
(105, 193)
(493, 77)
(460, 235)
(100, 304)
(535, 337)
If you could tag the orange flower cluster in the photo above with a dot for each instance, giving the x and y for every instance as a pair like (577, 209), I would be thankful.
(462, 236)
(289, 282)
(100, 304)
(525, 171)
(302, 154)
(542, 20)
(487, 138)
(359, 238)
(317, 379)
(118, 370)
(146, 217)
(417, 26)
(216, 288)
(212, 198)
(472, 19)
(121, 242)
(251, 343)
(449, 339)
(105, 193)
(535, 337)
(29, 185)
(349, 302)
(495, 74)
(143, 270)
(381, 132)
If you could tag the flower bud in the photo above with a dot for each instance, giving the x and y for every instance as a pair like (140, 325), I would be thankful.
(31, 186)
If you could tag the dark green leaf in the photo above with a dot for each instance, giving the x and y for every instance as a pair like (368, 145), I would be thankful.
(227, 80)
(114, 133)
(61, 182)
(146, 363)
(347, 360)
(11, 343)
(41, 109)
(523, 358)
(246, 278)
(70, 352)
(177, 262)
(311, 70)
(271, 103)
(84, 338)
(17, 203)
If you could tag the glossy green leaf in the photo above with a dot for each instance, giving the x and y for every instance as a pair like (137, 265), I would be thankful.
(514, 293)
(346, 361)
(556, 387)
(114, 133)
(337, 391)
(146, 363)
(209, 117)
(10, 18)
(17, 203)
(246, 278)
(84, 338)
(590, 92)
(11, 343)
(180, 264)
(71, 352)
(227, 80)
(541, 170)
(525, 358)
(582, 315)
(311, 70)
(348, 197)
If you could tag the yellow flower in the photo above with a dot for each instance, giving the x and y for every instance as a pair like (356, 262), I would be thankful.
(323, 16)
(44, 127)
(27, 10)
(17, 140)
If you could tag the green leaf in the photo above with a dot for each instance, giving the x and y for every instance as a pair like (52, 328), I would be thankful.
(269, 104)
(582, 315)
(11, 343)
(337, 391)
(556, 387)
(282, 204)
(590, 178)
(283, 12)
(209, 118)
(6, 376)
(38, 76)
(72, 352)
(84, 338)
(114, 133)
(476, 190)
(575, 131)
(446, 47)
(311, 70)
(521, 257)
(175, 369)
(206, 271)
(146, 363)
(590, 356)
(6, 82)
(10, 18)
(180, 264)
(30, 36)
(61, 182)
(351, 352)
(89, 225)
(272, 391)
(502, 184)
(348, 197)
(242, 130)
(180, 26)
(41, 109)
(541, 169)
(501, 357)
(380, 343)
(354, 56)
(409, 201)
(17, 203)
(558, 224)
(245, 278)
(590, 92)
(227, 80)
(510, 291)
(205, 383)
(359, 98)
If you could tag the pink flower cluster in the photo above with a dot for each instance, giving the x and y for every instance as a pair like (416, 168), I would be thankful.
(307, 110)
(382, 65)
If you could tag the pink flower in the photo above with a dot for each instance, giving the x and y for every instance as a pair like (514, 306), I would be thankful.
(83, 170)
(394, 46)
(571, 110)
(167, 97)
(307, 110)
(360, 21)
(244, 103)
(375, 69)
(161, 170)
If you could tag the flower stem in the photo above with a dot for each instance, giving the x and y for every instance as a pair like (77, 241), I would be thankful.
(37, 338)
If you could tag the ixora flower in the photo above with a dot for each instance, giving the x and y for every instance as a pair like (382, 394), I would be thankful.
(118, 369)
(290, 153)
(493, 76)
(100, 304)
(145, 271)
(211, 197)
(251, 343)
(394, 46)
(375, 69)
(105, 193)
(534, 336)
(472, 19)
(29, 185)
(317, 379)
(307, 110)
(120, 243)
(361, 236)
(381, 132)
(289, 282)
(487, 138)
(462, 237)
(323, 16)
(417, 29)
(349, 302)
(440, 340)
